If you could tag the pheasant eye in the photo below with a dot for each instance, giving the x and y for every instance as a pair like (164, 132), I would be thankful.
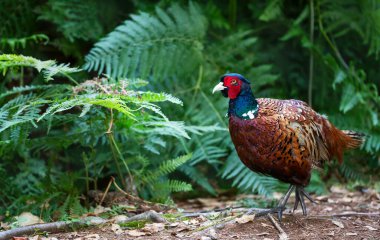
(233, 82)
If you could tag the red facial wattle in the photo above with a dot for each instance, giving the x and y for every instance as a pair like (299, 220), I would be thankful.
(234, 86)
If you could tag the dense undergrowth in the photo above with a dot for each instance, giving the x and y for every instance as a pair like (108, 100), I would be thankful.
(138, 104)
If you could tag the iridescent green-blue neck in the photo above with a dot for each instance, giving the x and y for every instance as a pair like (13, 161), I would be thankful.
(245, 105)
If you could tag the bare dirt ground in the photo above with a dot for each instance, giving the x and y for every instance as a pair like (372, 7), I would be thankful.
(339, 215)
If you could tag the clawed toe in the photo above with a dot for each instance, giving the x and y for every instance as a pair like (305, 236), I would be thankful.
(300, 193)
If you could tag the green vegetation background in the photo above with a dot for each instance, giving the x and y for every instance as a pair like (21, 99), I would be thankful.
(150, 120)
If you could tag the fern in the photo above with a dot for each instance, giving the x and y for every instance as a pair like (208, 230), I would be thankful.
(198, 177)
(151, 44)
(165, 168)
(14, 43)
(360, 17)
(246, 180)
(74, 18)
(272, 11)
(17, 19)
(49, 68)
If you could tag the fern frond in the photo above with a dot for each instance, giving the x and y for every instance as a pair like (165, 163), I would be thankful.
(49, 68)
(14, 43)
(165, 168)
(247, 180)
(150, 44)
(76, 19)
(27, 88)
(361, 17)
(272, 11)
(195, 175)
(179, 186)
(164, 128)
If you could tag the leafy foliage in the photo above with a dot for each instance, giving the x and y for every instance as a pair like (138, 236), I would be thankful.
(14, 43)
(49, 68)
(75, 19)
(94, 114)
(118, 125)
(151, 44)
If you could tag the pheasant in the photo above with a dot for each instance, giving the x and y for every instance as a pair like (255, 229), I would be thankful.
(285, 139)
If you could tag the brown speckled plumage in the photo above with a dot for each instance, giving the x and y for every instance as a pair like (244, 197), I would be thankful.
(281, 138)
(287, 139)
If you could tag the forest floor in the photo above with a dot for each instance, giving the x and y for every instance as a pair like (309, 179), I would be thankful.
(339, 215)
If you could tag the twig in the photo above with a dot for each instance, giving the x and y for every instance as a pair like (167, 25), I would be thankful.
(107, 189)
(350, 214)
(137, 199)
(215, 223)
(259, 212)
(283, 234)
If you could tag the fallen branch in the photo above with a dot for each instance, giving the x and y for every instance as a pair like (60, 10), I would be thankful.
(283, 235)
(60, 226)
(51, 227)
(257, 211)
(349, 214)
(149, 215)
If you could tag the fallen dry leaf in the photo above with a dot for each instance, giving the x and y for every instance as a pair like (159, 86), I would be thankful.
(212, 233)
(119, 218)
(371, 228)
(337, 189)
(210, 202)
(135, 233)
(153, 227)
(262, 234)
(205, 238)
(283, 236)
(175, 224)
(92, 237)
(322, 198)
(351, 234)
(20, 238)
(27, 218)
(245, 219)
(116, 229)
(266, 225)
(339, 224)
(100, 209)
(345, 199)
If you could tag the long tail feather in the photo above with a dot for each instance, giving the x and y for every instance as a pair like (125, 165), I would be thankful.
(356, 138)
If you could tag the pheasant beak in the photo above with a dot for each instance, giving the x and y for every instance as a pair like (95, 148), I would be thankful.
(218, 87)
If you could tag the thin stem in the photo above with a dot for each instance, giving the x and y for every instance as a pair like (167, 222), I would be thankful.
(111, 123)
(122, 159)
(198, 84)
(70, 78)
(233, 13)
(214, 109)
(333, 46)
(311, 60)
(116, 162)
(106, 191)
(22, 76)
(85, 161)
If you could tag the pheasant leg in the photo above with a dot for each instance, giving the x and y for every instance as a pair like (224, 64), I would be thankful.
(300, 193)
(283, 201)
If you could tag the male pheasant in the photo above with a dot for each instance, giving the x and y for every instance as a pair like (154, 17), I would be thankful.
(281, 138)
